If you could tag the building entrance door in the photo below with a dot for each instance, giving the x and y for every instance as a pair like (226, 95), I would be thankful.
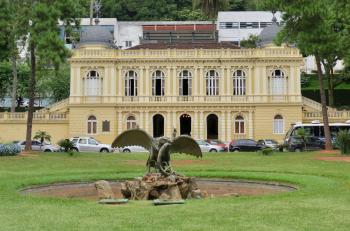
(158, 125)
(212, 127)
(185, 124)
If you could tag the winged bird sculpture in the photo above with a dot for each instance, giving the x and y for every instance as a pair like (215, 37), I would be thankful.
(159, 148)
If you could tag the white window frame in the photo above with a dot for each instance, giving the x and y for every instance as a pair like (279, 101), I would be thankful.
(92, 125)
(239, 120)
(93, 83)
(185, 74)
(129, 76)
(278, 83)
(212, 83)
(278, 125)
(239, 83)
(158, 74)
(131, 122)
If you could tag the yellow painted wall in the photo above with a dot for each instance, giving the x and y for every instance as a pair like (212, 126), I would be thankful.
(16, 130)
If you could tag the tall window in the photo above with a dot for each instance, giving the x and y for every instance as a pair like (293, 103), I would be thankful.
(278, 125)
(239, 125)
(131, 83)
(212, 80)
(277, 83)
(239, 83)
(185, 83)
(93, 84)
(131, 122)
(92, 125)
(158, 83)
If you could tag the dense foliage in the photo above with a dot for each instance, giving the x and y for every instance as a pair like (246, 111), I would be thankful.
(343, 142)
(9, 149)
(145, 10)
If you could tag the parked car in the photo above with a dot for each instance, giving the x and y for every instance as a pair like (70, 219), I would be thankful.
(245, 145)
(206, 147)
(89, 144)
(38, 146)
(296, 144)
(133, 148)
(219, 143)
(270, 144)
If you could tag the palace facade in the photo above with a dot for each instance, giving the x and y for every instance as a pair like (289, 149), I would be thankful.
(206, 90)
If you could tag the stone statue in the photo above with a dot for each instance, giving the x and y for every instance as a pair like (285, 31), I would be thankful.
(159, 148)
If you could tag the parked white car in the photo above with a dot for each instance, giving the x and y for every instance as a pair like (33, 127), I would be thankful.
(206, 147)
(133, 148)
(89, 144)
(38, 146)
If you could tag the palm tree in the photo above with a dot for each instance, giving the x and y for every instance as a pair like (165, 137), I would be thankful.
(210, 7)
(42, 136)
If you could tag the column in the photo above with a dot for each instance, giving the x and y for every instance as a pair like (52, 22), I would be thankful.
(228, 82)
(249, 82)
(201, 125)
(264, 81)
(222, 122)
(141, 122)
(120, 82)
(120, 122)
(147, 80)
(140, 81)
(168, 122)
(195, 133)
(113, 81)
(79, 80)
(257, 81)
(174, 86)
(168, 83)
(222, 81)
(250, 125)
(201, 80)
(174, 121)
(147, 123)
(229, 126)
(73, 81)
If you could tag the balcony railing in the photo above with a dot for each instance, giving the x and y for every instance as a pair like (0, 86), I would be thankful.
(187, 53)
(36, 116)
(332, 115)
(189, 99)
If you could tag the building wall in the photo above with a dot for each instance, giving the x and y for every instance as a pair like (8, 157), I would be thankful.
(12, 130)
(258, 106)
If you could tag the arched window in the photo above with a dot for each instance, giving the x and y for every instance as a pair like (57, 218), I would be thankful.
(92, 125)
(93, 84)
(158, 83)
(239, 125)
(212, 81)
(185, 83)
(278, 125)
(277, 82)
(131, 83)
(239, 83)
(131, 122)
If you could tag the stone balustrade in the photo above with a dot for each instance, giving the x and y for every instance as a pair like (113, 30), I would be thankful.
(36, 116)
(189, 99)
(186, 53)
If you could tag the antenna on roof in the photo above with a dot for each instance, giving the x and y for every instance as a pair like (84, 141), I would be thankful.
(97, 8)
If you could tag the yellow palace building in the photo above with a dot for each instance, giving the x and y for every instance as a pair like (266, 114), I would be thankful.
(206, 90)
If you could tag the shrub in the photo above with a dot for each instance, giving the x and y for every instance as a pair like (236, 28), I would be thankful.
(66, 144)
(267, 151)
(9, 149)
(343, 142)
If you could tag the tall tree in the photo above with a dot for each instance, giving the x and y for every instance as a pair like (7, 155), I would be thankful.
(310, 25)
(39, 21)
(211, 7)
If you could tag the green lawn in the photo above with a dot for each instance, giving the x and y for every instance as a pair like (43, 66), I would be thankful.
(322, 203)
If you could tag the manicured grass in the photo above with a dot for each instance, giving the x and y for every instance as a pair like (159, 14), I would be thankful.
(322, 203)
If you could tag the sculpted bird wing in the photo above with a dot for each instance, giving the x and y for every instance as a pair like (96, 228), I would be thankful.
(187, 145)
(133, 137)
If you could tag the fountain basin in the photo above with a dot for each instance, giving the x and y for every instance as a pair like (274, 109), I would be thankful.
(213, 187)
